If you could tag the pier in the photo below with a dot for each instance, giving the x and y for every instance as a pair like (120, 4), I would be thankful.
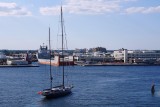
(118, 64)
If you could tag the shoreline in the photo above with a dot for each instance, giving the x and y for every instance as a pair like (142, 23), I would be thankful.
(118, 64)
(19, 66)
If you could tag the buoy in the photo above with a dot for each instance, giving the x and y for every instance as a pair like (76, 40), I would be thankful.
(153, 89)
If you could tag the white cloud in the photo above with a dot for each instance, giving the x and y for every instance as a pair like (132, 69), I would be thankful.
(143, 10)
(50, 10)
(97, 7)
(12, 9)
(86, 7)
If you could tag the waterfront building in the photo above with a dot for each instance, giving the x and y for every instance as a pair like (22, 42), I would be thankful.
(93, 57)
(136, 56)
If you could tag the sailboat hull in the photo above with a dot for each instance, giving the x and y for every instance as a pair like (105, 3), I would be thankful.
(56, 92)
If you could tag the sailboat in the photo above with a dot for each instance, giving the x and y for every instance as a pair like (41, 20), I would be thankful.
(61, 90)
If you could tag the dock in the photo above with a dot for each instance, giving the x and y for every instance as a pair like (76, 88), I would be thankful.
(118, 64)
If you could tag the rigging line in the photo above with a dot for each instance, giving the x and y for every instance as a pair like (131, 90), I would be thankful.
(46, 68)
(58, 34)
(57, 39)
(57, 42)
(66, 43)
(65, 37)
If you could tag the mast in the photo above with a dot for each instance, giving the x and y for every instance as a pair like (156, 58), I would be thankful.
(51, 78)
(62, 46)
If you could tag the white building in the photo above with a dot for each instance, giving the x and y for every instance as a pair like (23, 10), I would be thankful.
(93, 56)
(126, 55)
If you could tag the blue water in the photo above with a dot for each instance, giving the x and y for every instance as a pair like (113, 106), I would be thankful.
(107, 86)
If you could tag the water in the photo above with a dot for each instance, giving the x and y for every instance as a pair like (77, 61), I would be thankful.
(107, 86)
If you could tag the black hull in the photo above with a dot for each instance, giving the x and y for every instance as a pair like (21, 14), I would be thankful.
(56, 92)
(57, 95)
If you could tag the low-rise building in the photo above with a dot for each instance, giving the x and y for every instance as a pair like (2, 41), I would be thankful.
(134, 56)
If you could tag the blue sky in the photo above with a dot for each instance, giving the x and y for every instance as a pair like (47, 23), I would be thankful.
(113, 24)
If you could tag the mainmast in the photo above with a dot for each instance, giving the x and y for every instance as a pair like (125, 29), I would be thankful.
(62, 46)
(51, 78)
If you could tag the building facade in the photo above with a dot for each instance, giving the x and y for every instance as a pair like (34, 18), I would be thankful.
(136, 55)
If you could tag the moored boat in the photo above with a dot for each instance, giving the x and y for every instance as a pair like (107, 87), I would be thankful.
(56, 59)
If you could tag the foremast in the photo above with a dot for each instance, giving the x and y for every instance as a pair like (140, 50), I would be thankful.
(51, 78)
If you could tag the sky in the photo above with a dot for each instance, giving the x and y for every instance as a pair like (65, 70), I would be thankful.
(113, 24)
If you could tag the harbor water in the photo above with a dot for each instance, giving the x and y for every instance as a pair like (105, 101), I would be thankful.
(103, 86)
